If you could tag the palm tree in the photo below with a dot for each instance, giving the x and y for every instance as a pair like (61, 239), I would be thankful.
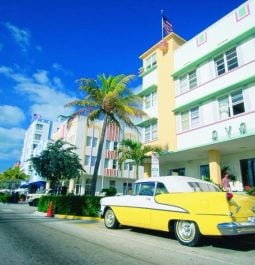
(107, 98)
(131, 149)
(12, 176)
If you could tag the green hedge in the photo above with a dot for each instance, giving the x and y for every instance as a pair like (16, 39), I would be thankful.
(5, 198)
(71, 205)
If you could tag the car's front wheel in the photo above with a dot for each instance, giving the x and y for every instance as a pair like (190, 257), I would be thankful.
(187, 233)
(110, 219)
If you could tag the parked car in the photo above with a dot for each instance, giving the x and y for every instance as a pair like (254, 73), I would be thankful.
(33, 198)
(189, 207)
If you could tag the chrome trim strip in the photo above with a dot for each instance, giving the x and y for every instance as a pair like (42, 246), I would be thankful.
(231, 229)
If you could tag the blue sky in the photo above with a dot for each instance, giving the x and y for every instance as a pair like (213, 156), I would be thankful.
(46, 45)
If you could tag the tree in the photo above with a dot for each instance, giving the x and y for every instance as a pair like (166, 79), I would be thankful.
(107, 98)
(12, 176)
(57, 162)
(131, 149)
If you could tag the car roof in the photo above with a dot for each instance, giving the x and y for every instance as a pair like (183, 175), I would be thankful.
(175, 183)
(170, 179)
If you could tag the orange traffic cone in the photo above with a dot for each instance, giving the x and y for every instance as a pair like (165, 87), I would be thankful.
(50, 210)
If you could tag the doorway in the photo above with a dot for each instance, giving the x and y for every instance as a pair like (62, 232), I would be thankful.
(248, 171)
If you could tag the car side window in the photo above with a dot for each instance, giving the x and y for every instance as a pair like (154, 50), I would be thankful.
(199, 186)
(136, 189)
(147, 189)
(161, 189)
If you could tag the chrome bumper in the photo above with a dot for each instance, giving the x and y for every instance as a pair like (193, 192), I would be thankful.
(231, 229)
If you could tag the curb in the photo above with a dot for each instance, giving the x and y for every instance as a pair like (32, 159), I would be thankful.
(74, 217)
(70, 217)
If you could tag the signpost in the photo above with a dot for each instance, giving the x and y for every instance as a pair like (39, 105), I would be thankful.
(155, 164)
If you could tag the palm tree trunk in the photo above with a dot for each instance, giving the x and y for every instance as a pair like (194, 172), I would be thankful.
(99, 155)
(137, 169)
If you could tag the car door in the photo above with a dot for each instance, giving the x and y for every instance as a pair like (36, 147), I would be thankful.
(140, 205)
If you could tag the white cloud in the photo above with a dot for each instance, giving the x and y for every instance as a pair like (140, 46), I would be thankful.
(41, 76)
(9, 72)
(44, 94)
(11, 142)
(57, 67)
(11, 115)
(137, 89)
(57, 82)
(49, 111)
(21, 36)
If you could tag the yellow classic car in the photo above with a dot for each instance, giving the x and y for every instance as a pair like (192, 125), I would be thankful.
(189, 207)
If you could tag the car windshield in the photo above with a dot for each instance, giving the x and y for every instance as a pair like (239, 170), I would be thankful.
(201, 186)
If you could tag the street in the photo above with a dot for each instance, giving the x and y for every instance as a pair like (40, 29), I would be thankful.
(30, 238)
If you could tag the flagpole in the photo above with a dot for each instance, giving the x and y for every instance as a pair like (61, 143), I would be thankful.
(162, 31)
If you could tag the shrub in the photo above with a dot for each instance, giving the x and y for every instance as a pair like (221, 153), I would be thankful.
(110, 191)
(71, 205)
(92, 206)
(249, 190)
(5, 198)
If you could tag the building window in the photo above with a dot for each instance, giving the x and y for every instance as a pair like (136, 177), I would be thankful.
(231, 105)
(88, 185)
(226, 62)
(115, 145)
(204, 172)
(151, 132)
(150, 61)
(106, 163)
(190, 119)
(194, 116)
(147, 133)
(39, 126)
(154, 131)
(114, 164)
(185, 120)
(93, 161)
(37, 136)
(87, 159)
(177, 172)
(89, 141)
(151, 100)
(94, 142)
(237, 103)
(148, 101)
(112, 183)
(107, 144)
(188, 82)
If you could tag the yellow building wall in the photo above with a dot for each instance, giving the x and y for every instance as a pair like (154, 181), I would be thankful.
(147, 170)
(166, 98)
(214, 166)
(165, 94)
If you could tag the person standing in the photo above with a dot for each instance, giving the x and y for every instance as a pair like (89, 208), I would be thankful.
(225, 183)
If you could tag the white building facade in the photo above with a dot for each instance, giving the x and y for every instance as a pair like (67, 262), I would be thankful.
(36, 139)
(86, 140)
(214, 77)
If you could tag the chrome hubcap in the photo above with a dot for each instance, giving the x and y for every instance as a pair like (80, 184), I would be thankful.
(186, 230)
(109, 218)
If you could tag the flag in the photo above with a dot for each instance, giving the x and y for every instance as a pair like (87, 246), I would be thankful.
(166, 25)
(37, 117)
